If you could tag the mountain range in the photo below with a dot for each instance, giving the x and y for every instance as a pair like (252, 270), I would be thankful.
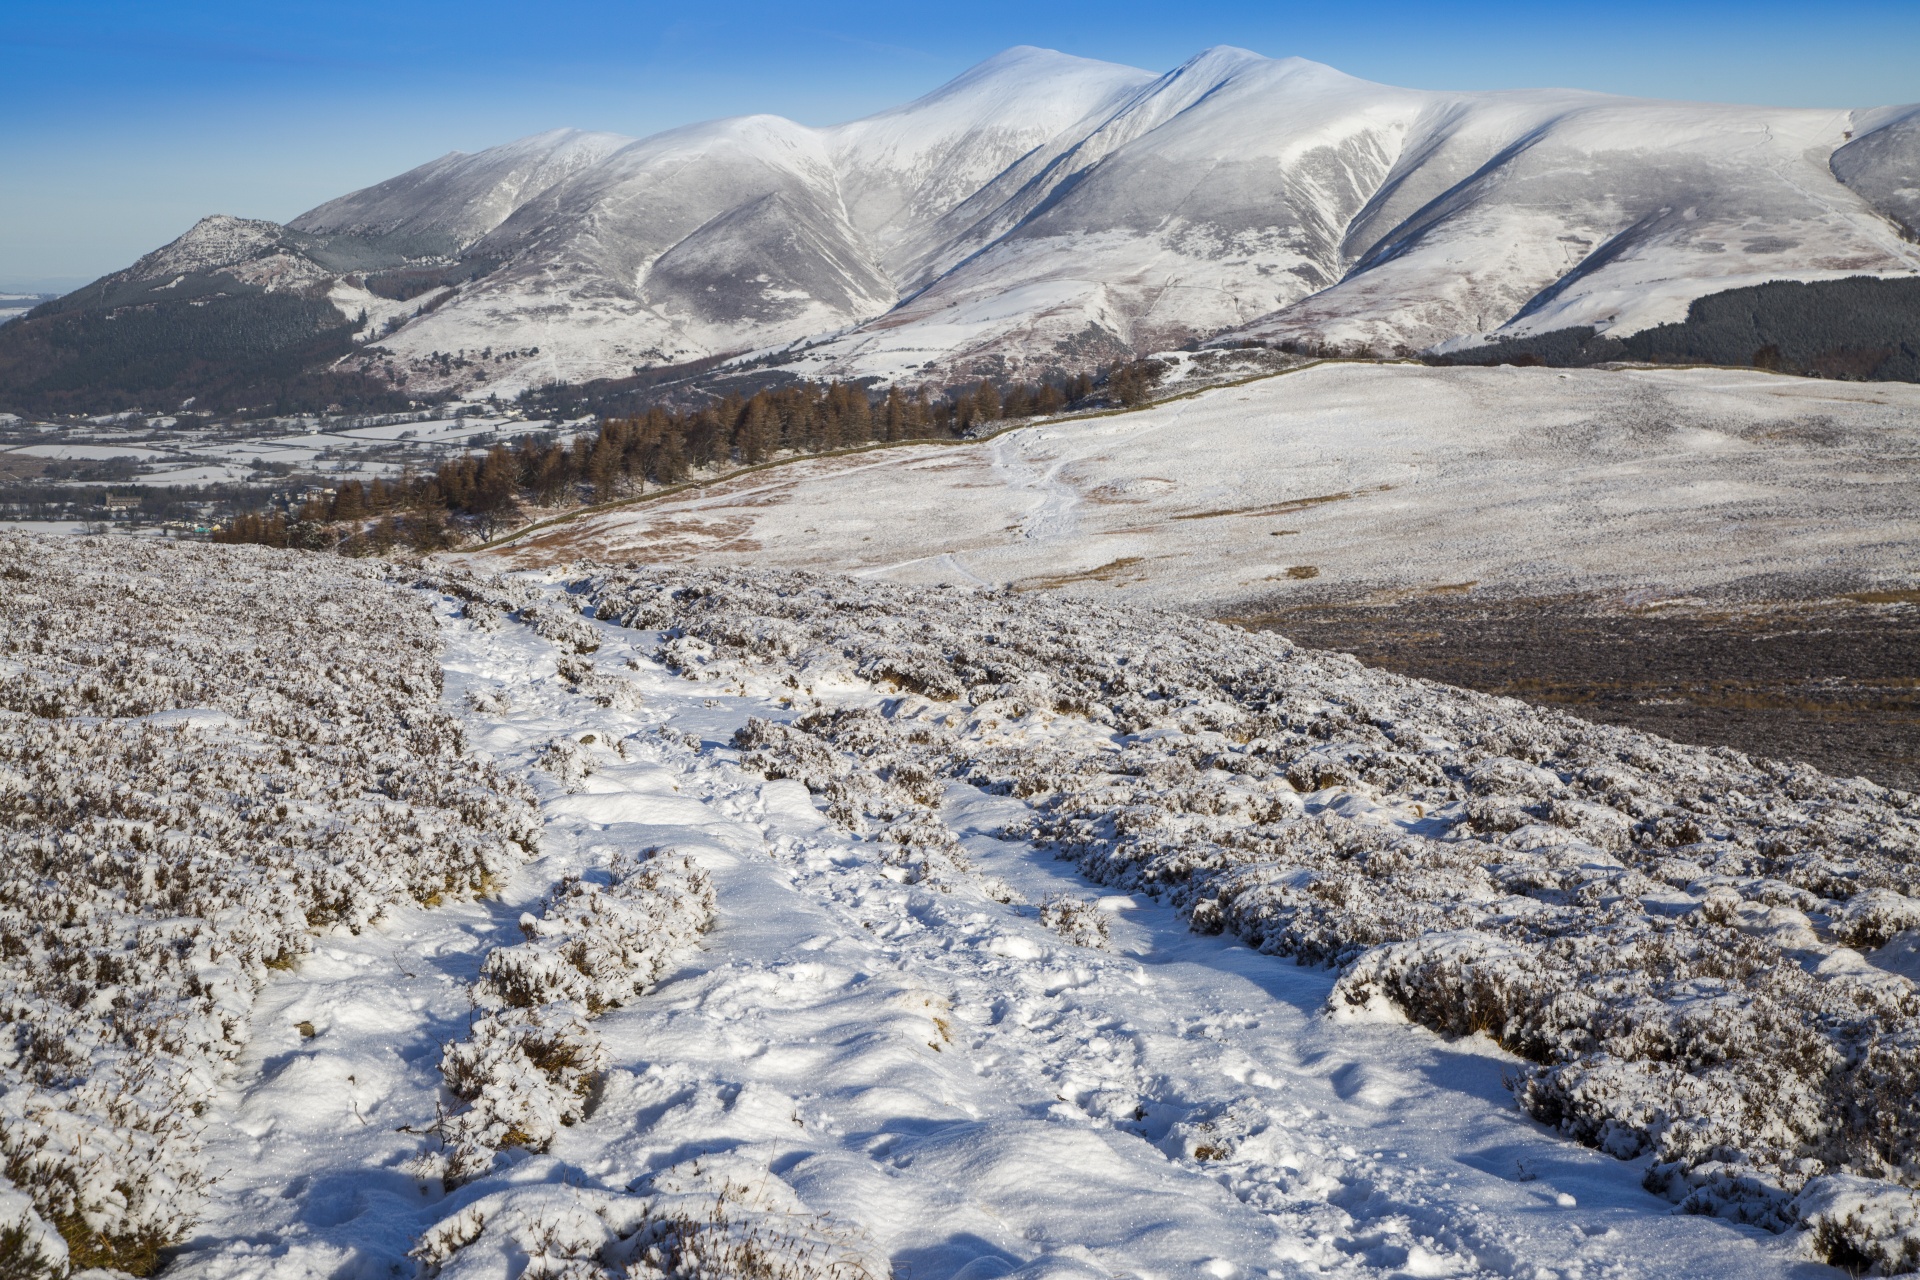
(1041, 212)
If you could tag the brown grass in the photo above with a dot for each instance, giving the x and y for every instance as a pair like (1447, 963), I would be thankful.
(1283, 508)
(1102, 573)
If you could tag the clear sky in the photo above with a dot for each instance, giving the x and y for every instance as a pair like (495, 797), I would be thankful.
(121, 123)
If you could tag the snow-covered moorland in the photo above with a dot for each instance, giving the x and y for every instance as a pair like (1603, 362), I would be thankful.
(1343, 479)
(683, 1018)
(1670, 938)
(206, 754)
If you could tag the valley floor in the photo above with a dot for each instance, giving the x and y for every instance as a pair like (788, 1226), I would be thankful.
(936, 1073)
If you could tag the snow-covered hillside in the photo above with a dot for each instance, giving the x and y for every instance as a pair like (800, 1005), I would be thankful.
(875, 930)
(1344, 479)
(1046, 211)
(206, 754)
(911, 1040)
(445, 205)
(750, 232)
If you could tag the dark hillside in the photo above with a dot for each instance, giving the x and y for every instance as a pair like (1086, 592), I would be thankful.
(1860, 328)
(227, 352)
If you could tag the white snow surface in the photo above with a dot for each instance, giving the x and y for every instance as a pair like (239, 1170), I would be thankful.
(928, 1078)
(449, 203)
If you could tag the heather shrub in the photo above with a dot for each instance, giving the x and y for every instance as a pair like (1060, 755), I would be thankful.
(531, 1060)
(714, 1217)
(206, 753)
(1078, 921)
(1668, 937)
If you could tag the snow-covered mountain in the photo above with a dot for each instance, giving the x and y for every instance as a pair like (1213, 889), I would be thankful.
(446, 204)
(750, 232)
(1241, 197)
(1046, 211)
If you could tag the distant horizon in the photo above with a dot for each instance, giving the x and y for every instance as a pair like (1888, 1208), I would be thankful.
(124, 128)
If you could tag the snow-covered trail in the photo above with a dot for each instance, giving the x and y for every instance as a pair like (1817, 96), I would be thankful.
(1032, 461)
(1051, 517)
(938, 1068)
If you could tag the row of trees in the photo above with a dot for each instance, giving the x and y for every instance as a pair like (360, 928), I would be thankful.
(662, 446)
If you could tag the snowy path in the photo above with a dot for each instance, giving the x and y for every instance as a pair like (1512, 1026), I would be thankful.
(1052, 515)
(1021, 460)
(980, 1096)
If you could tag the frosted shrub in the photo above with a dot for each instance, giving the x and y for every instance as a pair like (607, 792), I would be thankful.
(490, 600)
(531, 1060)
(524, 1074)
(598, 946)
(1862, 1224)
(715, 1218)
(205, 754)
(1668, 936)
(567, 760)
(605, 689)
(889, 802)
(28, 1246)
(1075, 919)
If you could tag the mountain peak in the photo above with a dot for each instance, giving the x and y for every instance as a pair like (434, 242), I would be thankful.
(1224, 57)
(217, 240)
(1015, 84)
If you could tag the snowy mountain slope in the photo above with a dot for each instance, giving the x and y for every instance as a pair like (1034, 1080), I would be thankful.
(1046, 212)
(1347, 479)
(254, 251)
(1361, 214)
(751, 232)
(1549, 212)
(740, 219)
(219, 252)
(1881, 163)
(1214, 195)
(903, 171)
(908, 1076)
(442, 207)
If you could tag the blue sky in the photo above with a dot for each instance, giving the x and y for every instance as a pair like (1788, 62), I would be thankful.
(121, 123)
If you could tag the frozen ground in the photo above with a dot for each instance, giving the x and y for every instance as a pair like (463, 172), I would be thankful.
(940, 1078)
(1348, 479)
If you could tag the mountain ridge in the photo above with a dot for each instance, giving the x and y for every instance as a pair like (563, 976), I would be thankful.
(1043, 211)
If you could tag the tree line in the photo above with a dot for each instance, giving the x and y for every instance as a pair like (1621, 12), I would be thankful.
(479, 494)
